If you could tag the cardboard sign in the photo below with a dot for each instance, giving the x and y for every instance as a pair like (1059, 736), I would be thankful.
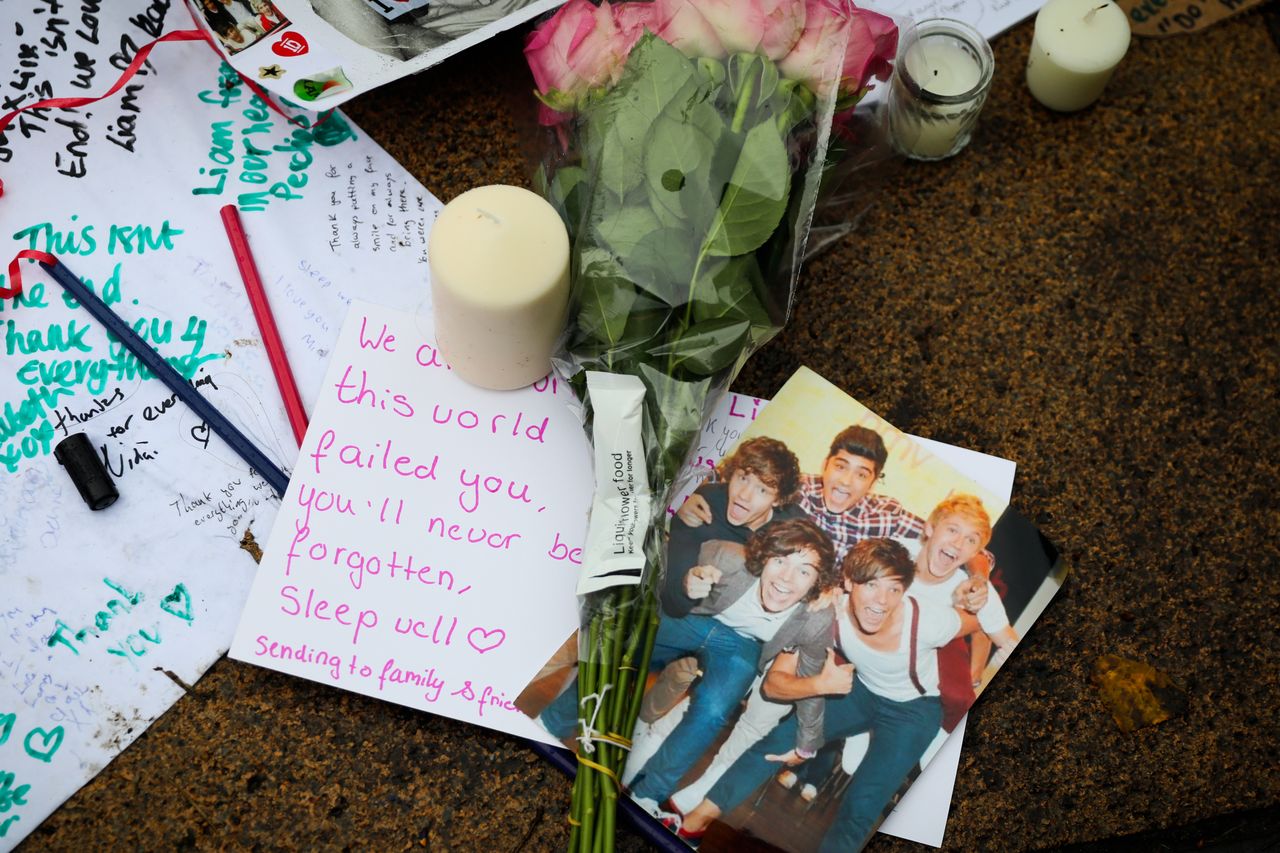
(1179, 17)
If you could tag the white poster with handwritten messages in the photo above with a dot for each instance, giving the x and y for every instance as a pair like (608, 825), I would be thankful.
(425, 552)
(104, 614)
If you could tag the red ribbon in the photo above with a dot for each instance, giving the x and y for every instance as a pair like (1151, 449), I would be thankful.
(15, 274)
(139, 58)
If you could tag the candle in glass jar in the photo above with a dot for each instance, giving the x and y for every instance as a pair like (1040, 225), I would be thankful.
(499, 260)
(1076, 46)
(939, 87)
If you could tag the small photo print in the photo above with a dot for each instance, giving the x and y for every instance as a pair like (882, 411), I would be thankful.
(404, 31)
(241, 23)
(835, 597)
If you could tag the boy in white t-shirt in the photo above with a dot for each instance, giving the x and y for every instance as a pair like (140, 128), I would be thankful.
(951, 564)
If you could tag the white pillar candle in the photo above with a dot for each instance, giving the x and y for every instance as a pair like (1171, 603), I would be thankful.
(499, 259)
(1076, 46)
(939, 88)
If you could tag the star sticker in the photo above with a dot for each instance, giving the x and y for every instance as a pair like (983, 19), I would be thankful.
(270, 72)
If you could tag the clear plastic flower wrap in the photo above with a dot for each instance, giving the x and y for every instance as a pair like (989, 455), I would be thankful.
(693, 142)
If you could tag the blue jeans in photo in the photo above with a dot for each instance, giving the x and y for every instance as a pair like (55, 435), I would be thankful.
(900, 733)
(728, 662)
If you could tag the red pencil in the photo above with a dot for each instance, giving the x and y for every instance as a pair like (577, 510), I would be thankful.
(266, 323)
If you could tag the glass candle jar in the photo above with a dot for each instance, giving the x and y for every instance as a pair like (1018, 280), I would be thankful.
(940, 83)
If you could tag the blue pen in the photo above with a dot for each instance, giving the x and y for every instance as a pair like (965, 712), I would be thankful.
(163, 371)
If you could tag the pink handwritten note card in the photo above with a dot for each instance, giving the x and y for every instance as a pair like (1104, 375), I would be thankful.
(425, 552)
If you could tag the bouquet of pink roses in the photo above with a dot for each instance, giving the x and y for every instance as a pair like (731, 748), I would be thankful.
(693, 139)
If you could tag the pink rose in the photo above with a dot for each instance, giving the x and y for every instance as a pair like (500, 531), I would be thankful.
(771, 27)
(680, 24)
(871, 49)
(872, 43)
(633, 19)
(580, 48)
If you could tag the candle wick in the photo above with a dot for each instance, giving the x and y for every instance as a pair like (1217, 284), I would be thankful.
(1089, 15)
(487, 215)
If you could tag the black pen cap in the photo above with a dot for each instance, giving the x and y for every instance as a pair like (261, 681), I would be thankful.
(76, 454)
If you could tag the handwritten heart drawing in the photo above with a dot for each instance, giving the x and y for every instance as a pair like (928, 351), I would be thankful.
(6, 726)
(178, 603)
(290, 44)
(51, 739)
(487, 643)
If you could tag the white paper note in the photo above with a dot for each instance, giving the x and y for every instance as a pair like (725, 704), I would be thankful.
(428, 546)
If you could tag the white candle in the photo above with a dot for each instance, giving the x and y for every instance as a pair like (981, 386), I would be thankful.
(499, 259)
(1076, 46)
(939, 88)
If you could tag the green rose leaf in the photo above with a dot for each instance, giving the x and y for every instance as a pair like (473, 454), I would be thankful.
(756, 197)
(646, 321)
(728, 290)
(654, 74)
(565, 193)
(619, 123)
(707, 347)
(604, 296)
(620, 228)
(615, 153)
(662, 263)
(678, 162)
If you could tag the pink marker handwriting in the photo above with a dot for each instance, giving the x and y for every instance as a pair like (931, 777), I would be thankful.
(310, 498)
(738, 407)
(499, 424)
(361, 564)
(425, 678)
(486, 640)
(487, 697)
(561, 551)
(473, 486)
(429, 356)
(440, 632)
(380, 456)
(381, 340)
(498, 541)
(388, 511)
(548, 384)
(300, 653)
(320, 609)
(353, 393)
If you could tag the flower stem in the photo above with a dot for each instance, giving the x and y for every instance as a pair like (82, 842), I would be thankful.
(745, 97)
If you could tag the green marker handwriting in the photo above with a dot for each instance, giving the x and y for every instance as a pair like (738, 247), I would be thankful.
(251, 156)
(134, 239)
(10, 798)
(135, 643)
(32, 296)
(56, 368)
(177, 603)
(41, 745)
